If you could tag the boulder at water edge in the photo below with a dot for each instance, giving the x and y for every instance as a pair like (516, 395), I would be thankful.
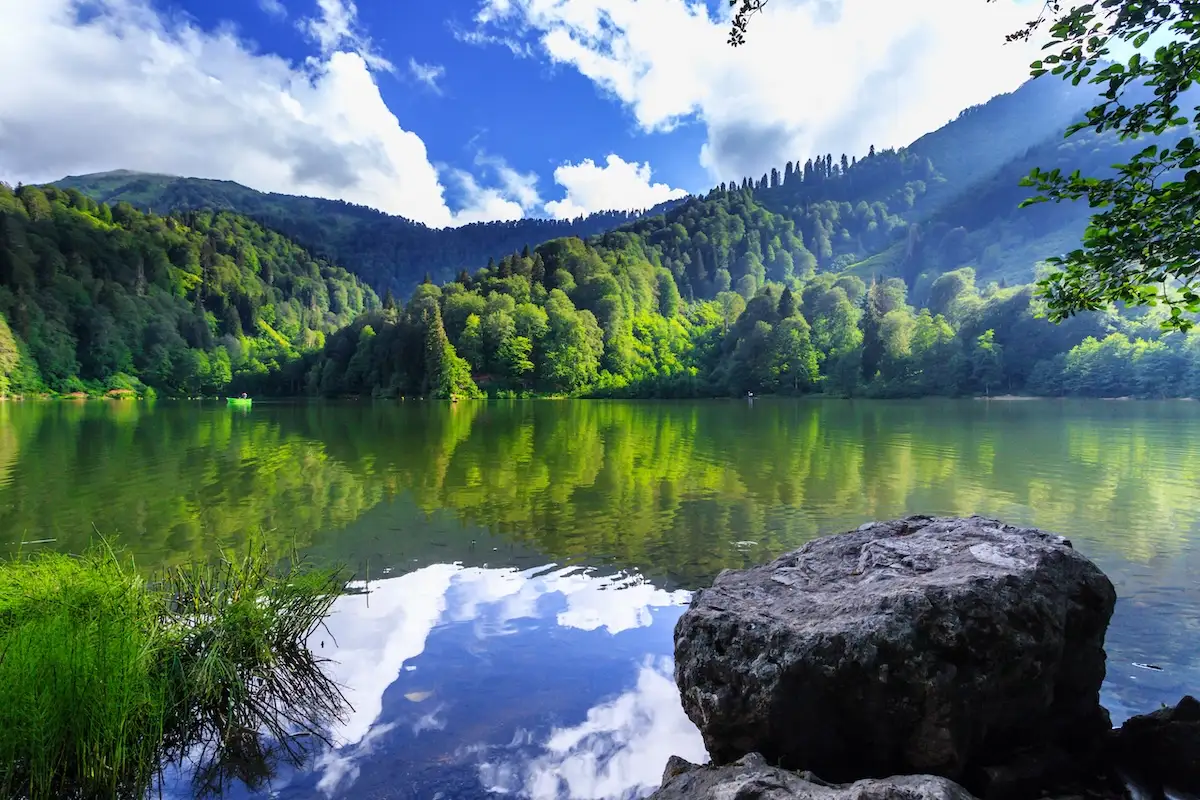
(1160, 751)
(751, 778)
(922, 645)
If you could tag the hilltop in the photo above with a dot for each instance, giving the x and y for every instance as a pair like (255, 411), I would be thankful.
(97, 298)
(947, 200)
(388, 252)
(900, 272)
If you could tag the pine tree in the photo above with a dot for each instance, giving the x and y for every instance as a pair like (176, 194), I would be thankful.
(699, 273)
(845, 164)
(538, 273)
(787, 303)
(389, 301)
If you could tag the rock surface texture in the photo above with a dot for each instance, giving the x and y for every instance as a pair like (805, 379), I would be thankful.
(1161, 750)
(751, 778)
(922, 645)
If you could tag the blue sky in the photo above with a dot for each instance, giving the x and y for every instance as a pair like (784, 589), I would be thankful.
(451, 111)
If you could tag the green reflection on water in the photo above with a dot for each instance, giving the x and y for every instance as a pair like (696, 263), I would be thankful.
(675, 490)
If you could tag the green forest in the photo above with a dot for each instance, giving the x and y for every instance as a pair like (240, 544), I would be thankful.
(572, 318)
(97, 299)
(900, 273)
(386, 251)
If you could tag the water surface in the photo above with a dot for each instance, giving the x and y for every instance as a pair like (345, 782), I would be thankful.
(528, 560)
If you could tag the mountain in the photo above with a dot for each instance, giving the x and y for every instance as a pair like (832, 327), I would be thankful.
(904, 272)
(388, 252)
(882, 276)
(99, 299)
(947, 200)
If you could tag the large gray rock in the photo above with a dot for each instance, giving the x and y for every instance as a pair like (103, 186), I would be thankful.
(751, 778)
(921, 645)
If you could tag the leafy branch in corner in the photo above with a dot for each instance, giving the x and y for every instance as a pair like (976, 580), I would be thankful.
(1142, 245)
(741, 18)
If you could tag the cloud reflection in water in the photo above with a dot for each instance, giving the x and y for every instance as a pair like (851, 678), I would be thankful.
(545, 683)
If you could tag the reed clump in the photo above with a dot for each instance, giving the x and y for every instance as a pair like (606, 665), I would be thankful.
(106, 676)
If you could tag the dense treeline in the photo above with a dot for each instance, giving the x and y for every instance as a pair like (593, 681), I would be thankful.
(604, 319)
(99, 299)
(845, 275)
(388, 252)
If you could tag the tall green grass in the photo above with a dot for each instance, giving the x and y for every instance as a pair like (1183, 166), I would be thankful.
(106, 676)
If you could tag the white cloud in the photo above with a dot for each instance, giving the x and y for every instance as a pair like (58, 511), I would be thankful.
(274, 8)
(815, 76)
(477, 36)
(521, 186)
(515, 196)
(483, 203)
(369, 639)
(617, 752)
(619, 185)
(428, 74)
(337, 29)
(128, 89)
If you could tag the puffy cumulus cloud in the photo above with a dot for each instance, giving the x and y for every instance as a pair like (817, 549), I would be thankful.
(128, 88)
(428, 74)
(618, 185)
(815, 76)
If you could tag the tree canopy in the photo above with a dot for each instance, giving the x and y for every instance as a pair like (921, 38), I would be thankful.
(1143, 244)
(98, 299)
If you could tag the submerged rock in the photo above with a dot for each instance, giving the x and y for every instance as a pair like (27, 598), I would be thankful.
(1161, 750)
(920, 645)
(751, 778)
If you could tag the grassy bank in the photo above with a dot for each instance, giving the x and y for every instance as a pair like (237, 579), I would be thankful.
(106, 676)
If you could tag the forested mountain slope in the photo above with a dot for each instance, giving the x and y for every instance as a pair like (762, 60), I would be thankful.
(97, 298)
(386, 251)
(889, 214)
(604, 318)
(949, 200)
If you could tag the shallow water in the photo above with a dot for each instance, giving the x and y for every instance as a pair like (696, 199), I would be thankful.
(527, 560)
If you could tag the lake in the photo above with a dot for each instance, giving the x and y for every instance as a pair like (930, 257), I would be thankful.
(527, 561)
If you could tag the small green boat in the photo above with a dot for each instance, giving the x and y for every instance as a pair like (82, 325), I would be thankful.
(239, 402)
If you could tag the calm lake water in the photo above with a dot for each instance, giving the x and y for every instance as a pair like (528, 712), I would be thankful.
(527, 561)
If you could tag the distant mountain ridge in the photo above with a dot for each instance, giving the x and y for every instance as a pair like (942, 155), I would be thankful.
(388, 251)
(947, 200)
